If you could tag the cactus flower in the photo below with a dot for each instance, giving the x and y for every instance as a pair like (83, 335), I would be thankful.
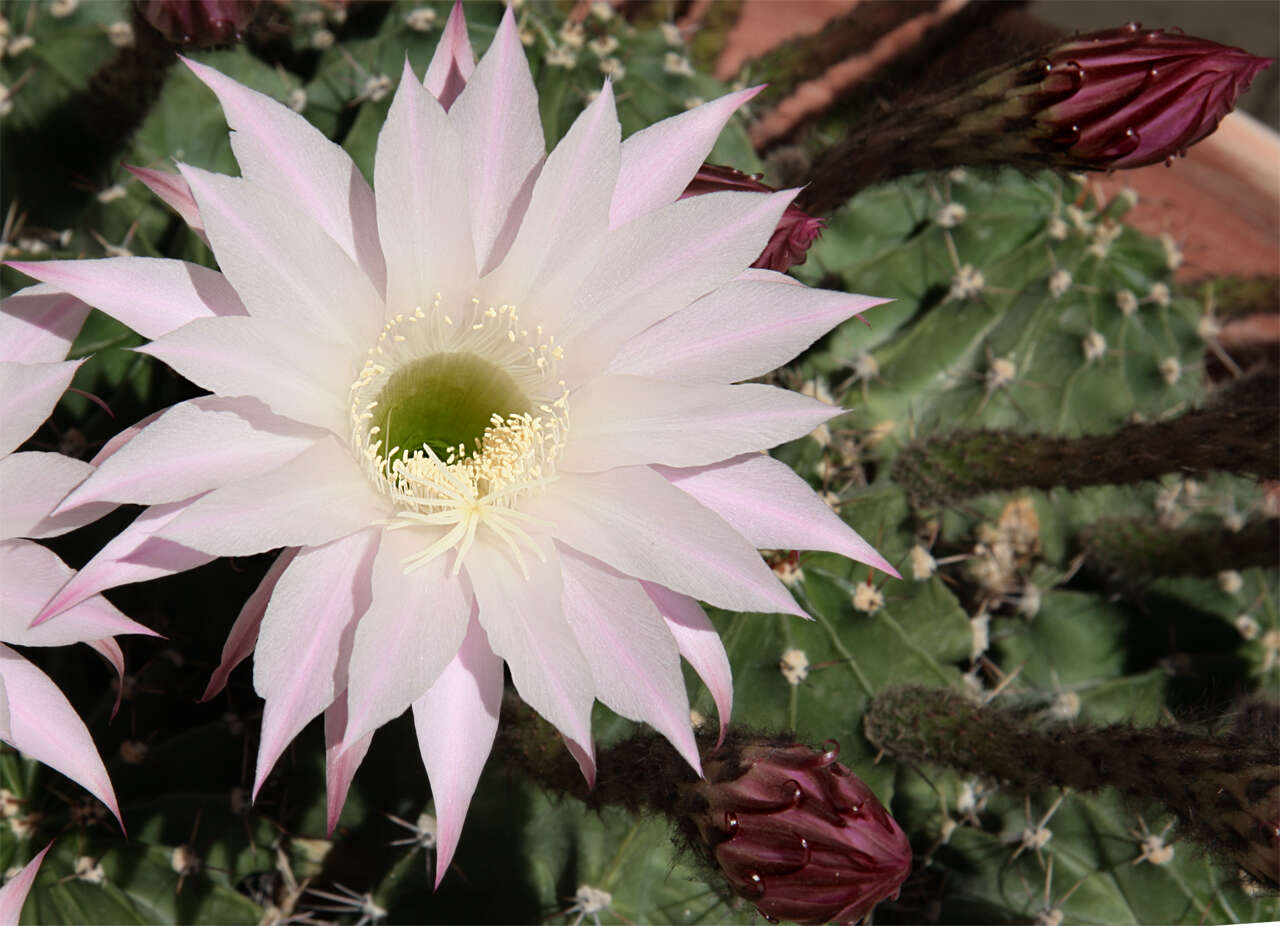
(488, 408)
(36, 328)
(799, 835)
(796, 230)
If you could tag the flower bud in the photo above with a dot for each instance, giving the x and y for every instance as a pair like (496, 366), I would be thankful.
(199, 23)
(796, 230)
(798, 834)
(1129, 97)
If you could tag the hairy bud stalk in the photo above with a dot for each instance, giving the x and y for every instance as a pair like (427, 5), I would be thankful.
(796, 230)
(1133, 550)
(791, 830)
(1239, 432)
(1118, 98)
(1225, 788)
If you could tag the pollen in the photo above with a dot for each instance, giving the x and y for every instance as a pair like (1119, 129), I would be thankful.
(457, 417)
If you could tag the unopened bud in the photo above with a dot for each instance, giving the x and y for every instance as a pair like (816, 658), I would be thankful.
(799, 835)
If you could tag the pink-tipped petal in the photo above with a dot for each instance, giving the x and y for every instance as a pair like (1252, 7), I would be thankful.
(496, 115)
(305, 639)
(661, 263)
(280, 151)
(152, 295)
(411, 631)
(238, 438)
(133, 555)
(32, 484)
(453, 62)
(524, 622)
(456, 721)
(14, 893)
(422, 202)
(29, 575)
(121, 438)
(341, 759)
(44, 726)
(634, 661)
(244, 632)
(658, 161)
(766, 502)
(6, 730)
(318, 497)
(638, 523)
(699, 644)
(586, 761)
(738, 332)
(621, 420)
(38, 324)
(174, 193)
(28, 393)
(282, 263)
(297, 374)
(110, 650)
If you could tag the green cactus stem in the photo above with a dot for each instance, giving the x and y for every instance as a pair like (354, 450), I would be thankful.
(1238, 432)
(1223, 787)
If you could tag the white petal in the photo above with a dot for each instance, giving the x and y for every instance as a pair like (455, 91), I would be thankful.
(282, 264)
(660, 263)
(14, 892)
(623, 420)
(133, 555)
(410, 633)
(340, 762)
(305, 639)
(634, 661)
(280, 151)
(659, 161)
(453, 62)
(28, 393)
(766, 502)
(524, 622)
(563, 229)
(32, 484)
(236, 438)
(456, 721)
(297, 375)
(422, 202)
(173, 191)
(318, 497)
(699, 644)
(29, 575)
(740, 331)
(152, 295)
(638, 523)
(38, 324)
(244, 632)
(497, 118)
(44, 726)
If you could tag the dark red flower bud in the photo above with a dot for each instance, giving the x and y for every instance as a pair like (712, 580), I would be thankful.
(1129, 97)
(796, 230)
(799, 835)
(199, 23)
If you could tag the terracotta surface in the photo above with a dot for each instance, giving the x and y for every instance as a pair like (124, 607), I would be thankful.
(766, 24)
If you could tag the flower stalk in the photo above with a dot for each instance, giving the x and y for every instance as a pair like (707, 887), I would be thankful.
(1118, 98)
(1224, 787)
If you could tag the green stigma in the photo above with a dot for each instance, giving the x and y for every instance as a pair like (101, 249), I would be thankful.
(443, 401)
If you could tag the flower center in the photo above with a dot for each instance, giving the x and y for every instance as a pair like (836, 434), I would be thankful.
(456, 420)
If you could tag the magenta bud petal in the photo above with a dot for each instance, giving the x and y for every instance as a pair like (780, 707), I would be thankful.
(199, 23)
(796, 230)
(1129, 97)
(799, 835)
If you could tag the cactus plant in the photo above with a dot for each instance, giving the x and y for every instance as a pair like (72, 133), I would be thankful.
(1026, 315)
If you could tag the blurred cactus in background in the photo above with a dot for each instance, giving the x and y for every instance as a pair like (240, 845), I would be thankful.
(1065, 709)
